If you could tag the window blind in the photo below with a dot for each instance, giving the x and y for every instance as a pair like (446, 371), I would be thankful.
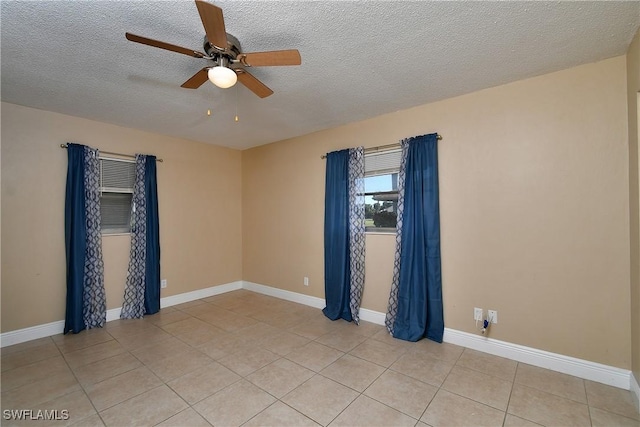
(117, 175)
(115, 211)
(382, 163)
(117, 178)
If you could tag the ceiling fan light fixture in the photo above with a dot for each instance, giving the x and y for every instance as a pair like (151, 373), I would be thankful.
(224, 51)
(222, 77)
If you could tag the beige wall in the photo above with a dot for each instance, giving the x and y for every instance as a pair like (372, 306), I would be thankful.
(633, 90)
(534, 210)
(199, 192)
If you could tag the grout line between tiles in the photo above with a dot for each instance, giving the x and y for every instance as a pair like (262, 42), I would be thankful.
(513, 384)
(286, 327)
(84, 391)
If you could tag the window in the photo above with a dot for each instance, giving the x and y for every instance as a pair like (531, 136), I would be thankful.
(381, 190)
(117, 177)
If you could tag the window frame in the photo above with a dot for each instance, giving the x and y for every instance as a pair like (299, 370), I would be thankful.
(116, 190)
(381, 172)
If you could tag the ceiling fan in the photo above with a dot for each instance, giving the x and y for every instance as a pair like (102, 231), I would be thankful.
(229, 61)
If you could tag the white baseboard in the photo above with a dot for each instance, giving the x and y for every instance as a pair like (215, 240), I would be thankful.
(365, 314)
(285, 295)
(32, 333)
(581, 368)
(55, 328)
(200, 293)
(585, 369)
(635, 388)
(372, 316)
(113, 314)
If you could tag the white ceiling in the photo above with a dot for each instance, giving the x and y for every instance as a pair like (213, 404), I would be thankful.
(360, 59)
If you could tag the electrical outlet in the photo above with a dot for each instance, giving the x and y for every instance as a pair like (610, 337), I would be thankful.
(492, 315)
(477, 314)
(163, 283)
(306, 281)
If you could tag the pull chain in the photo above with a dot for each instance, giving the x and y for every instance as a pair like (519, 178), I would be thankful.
(236, 118)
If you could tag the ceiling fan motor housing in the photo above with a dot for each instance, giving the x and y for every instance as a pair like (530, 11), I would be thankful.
(231, 53)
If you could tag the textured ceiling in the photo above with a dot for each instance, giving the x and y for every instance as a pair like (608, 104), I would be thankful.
(359, 59)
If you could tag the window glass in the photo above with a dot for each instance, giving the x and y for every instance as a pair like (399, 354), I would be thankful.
(117, 178)
(381, 202)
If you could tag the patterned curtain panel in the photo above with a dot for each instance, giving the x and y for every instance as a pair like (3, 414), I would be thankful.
(415, 304)
(133, 304)
(356, 229)
(344, 234)
(86, 299)
(142, 290)
(392, 309)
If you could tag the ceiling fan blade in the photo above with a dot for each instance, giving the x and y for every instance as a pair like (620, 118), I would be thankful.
(272, 58)
(196, 80)
(213, 22)
(163, 45)
(253, 84)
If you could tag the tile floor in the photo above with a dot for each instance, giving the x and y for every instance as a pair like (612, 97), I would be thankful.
(243, 358)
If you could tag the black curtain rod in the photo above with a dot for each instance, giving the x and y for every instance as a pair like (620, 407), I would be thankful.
(383, 147)
(114, 154)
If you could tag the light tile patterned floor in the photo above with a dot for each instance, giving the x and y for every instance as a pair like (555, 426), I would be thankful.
(243, 358)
